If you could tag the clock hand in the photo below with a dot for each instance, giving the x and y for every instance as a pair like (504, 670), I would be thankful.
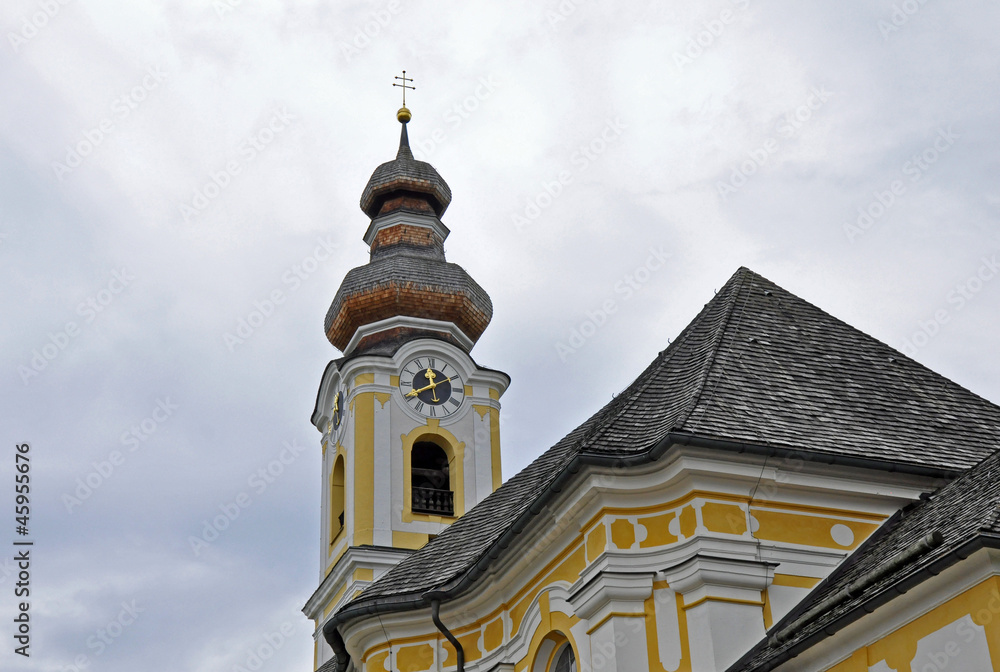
(430, 377)
(431, 386)
(413, 393)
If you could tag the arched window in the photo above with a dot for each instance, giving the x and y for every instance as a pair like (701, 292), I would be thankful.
(565, 661)
(337, 498)
(430, 480)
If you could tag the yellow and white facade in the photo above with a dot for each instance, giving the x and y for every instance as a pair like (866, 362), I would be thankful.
(410, 423)
(367, 470)
(950, 622)
(677, 567)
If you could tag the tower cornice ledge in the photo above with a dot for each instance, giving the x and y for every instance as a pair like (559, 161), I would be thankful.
(401, 217)
(417, 324)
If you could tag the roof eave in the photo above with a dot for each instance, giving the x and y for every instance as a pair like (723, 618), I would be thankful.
(464, 581)
(891, 466)
(894, 590)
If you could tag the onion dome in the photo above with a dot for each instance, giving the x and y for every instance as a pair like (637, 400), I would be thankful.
(408, 289)
(405, 174)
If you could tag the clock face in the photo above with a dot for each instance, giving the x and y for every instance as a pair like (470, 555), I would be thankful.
(431, 386)
(338, 411)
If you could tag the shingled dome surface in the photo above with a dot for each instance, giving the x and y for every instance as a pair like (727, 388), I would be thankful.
(407, 275)
(408, 284)
(405, 174)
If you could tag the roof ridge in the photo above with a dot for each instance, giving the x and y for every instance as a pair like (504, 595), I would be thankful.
(648, 376)
(688, 413)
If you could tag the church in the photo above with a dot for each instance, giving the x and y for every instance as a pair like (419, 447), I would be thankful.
(776, 491)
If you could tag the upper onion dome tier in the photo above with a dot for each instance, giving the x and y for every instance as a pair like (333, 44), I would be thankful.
(405, 174)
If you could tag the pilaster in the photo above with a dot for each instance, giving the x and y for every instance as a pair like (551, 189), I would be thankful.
(723, 602)
(614, 606)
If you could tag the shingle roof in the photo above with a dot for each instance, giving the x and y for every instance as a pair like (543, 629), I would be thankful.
(405, 269)
(757, 365)
(964, 510)
(403, 283)
(328, 666)
(405, 173)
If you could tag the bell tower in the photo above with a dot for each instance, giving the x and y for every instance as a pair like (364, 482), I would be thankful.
(410, 423)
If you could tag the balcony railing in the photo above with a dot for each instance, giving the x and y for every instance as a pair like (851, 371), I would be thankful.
(432, 500)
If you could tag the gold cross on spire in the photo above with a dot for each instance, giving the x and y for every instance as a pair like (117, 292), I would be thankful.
(404, 85)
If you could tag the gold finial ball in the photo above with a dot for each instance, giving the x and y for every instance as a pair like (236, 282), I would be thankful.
(403, 115)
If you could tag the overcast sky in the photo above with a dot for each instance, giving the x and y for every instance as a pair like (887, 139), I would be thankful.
(167, 168)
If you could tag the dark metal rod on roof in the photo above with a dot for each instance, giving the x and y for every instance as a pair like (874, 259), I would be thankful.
(862, 583)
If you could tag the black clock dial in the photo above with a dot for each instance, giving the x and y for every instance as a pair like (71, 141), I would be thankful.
(431, 386)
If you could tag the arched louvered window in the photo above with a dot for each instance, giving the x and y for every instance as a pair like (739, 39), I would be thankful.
(430, 480)
(337, 498)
